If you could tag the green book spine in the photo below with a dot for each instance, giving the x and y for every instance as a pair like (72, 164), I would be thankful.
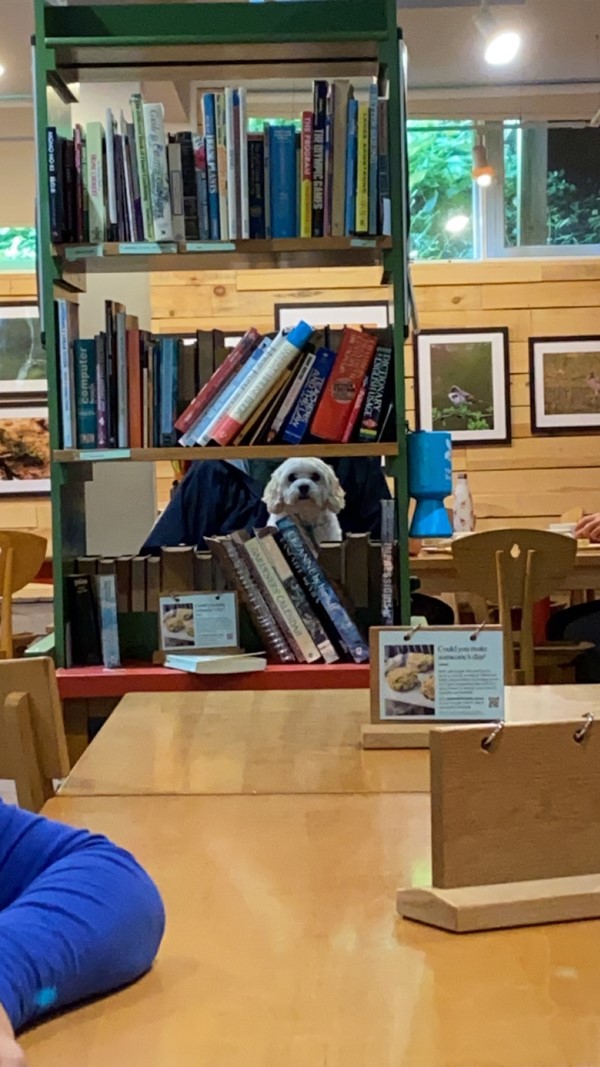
(141, 150)
(85, 391)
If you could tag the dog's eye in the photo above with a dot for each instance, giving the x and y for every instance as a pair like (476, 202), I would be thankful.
(316, 477)
(291, 478)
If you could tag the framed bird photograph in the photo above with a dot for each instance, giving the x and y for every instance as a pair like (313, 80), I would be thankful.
(462, 384)
(564, 381)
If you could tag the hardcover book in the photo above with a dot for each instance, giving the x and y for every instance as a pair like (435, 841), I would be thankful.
(377, 394)
(85, 391)
(299, 421)
(352, 363)
(282, 151)
(160, 192)
(319, 123)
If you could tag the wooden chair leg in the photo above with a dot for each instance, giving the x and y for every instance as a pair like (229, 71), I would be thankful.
(526, 642)
(6, 628)
(506, 623)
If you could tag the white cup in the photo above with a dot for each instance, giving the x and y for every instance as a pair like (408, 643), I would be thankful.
(567, 529)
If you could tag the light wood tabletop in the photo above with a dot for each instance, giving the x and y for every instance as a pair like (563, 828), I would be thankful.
(270, 742)
(283, 949)
(437, 573)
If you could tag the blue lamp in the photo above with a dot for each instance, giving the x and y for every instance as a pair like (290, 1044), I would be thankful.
(430, 482)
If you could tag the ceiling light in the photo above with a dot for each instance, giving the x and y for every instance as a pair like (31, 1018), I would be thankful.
(482, 172)
(501, 43)
(457, 223)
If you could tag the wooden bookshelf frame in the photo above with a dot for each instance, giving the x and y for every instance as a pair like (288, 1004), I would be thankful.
(332, 38)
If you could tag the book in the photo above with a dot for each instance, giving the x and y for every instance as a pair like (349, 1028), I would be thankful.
(143, 166)
(306, 188)
(187, 382)
(85, 392)
(373, 159)
(291, 396)
(352, 362)
(256, 186)
(351, 160)
(70, 205)
(340, 99)
(123, 580)
(109, 627)
(138, 583)
(67, 332)
(388, 526)
(237, 574)
(263, 376)
(384, 183)
(201, 186)
(111, 177)
(177, 569)
(222, 164)
(80, 193)
(299, 421)
(136, 192)
(210, 142)
(282, 153)
(152, 584)
(176, 187)
(244, 220)
(376, 394)
(122, 392)
(356, 411)
(214, 384)
(190, 196)
(299, 555)
(169, 352)
(277, 598)
(95, 182)
(160, 193)
(232, 663)
(128, 179)
(54, 186)
(267, 182)
(248, 431)
(297, 595)
(361, 223)
(101, 392)
(84, 630)
(201, 431)
(319, 123)
(328, 166)
(232, 219)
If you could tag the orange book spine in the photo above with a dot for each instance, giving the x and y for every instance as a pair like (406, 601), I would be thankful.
(134, 388)
(352, 363)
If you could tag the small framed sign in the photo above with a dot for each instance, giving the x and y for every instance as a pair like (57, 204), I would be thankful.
(191, 622)
(451, 674)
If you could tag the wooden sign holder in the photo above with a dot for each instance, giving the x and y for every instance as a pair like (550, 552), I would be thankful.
(515, 821)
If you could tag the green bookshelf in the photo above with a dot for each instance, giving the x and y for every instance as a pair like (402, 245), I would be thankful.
(224, 41)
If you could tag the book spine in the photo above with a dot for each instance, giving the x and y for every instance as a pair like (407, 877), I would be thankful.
(201, 432)
(267, 183)
(259, 383)
(376, 394)
(291, 396)
(373, 159)
(101, 392)
(388, 523)
(283, 181)
(353, 361)
(244, 201)
(85, 634)
(202, 187)
(319, 124)
(356, 410)
(111, 176)
(319, 589)
(190, 195)
(79, 184)
(138, 215)
(121, 370)
(297, 596)
(283, 610)
(176, 185)
(154, 125)
(111, 374)
(299, 422)
(106, 595)
(384, 189)
(134, 388)
(256, 188)
(67, 375)
(254, 425)
(85, 385)
(95, 169)
(236, 358)
(341, 96)
(232, 222)
(361, 224)
(167, 397)
(70, 194)
(143, 166)
(236, 572)
(122, 223)
(222, 164)
(306, 189)
(54, 185)
(351, 154)
(129, 201)
(328, 165)
(212, 174)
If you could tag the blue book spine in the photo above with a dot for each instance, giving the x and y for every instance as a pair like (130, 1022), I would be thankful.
(256, 185)
(351, 150)
(106, 592)
(156, 357)
(85, 391)
(197, 434)
(299, 421)
(267, 179)
(373, 159)
(168, 391)
(283, 180)
(212, 173)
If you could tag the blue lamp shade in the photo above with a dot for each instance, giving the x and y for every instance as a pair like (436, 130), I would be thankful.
(430, 482)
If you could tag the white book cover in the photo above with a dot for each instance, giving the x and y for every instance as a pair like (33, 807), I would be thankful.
(289, 620)
(292, 395)
(141, 152)
(95, 182)
(232, 221)
(244, 192)
(230, 664)
(67, 376)
(160, 193)
(111, 174)
(176, 184)
(122, 384)
(128, 178)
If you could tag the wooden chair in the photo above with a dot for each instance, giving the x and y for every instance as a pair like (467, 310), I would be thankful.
(514, 569)
(33, 746)
(21, 557)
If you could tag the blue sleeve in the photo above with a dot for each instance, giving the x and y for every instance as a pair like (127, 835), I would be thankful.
(78, 916)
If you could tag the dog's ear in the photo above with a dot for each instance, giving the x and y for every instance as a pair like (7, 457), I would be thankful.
(272, 497)
(336, 496)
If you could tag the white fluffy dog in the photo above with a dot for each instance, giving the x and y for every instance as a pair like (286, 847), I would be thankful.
(308, 490)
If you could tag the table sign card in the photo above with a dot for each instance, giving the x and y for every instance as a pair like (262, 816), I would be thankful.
(199, 622)
(446, 674)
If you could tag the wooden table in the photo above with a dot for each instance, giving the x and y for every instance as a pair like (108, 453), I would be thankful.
(437, 573)
(283, 949)
(278, 742)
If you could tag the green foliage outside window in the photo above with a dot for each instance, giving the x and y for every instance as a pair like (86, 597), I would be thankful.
(17, 249)
(440, 164)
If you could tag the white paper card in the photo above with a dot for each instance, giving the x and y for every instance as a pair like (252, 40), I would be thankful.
(199, 620)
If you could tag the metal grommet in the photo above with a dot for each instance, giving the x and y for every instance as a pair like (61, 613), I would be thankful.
(413, 630)
(580, 734)
(488, 741)
(475, 634)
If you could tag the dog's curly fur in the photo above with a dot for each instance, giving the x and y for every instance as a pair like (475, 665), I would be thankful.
(308, 490)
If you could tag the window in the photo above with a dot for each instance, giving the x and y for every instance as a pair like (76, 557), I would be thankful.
(440, 162)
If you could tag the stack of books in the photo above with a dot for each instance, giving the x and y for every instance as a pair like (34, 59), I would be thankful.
(127, 181)
(125, 388)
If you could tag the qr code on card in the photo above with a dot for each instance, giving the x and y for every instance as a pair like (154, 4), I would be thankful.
(493, 702)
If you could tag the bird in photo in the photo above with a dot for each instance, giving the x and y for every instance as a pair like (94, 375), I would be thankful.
(458, 396)
(594, 383)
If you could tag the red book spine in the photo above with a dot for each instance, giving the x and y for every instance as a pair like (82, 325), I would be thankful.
(236, 358)
(356, 410)
(134, 389)
(352, 363)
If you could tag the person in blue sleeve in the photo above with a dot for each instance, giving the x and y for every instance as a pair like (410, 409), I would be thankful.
(78, 918)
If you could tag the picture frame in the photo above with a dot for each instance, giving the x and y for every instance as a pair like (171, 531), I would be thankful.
(23, 364)
(24, 450)
(462, 384)
(564, 385)
(374, 314)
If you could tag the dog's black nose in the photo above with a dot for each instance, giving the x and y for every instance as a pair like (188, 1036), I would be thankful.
(303, 490)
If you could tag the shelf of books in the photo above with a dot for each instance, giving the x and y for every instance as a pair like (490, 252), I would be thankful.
(121, 194)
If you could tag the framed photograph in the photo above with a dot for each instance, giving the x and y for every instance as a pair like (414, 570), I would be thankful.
(462, 384)
(24, 450)
(22, 358)
(564, 382)
(369, 315)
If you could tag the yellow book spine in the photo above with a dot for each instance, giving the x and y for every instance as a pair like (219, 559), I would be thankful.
(362, 170)
(306, 209)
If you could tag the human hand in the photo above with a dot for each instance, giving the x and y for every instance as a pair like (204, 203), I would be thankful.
(11, 1055)
(589, 526)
